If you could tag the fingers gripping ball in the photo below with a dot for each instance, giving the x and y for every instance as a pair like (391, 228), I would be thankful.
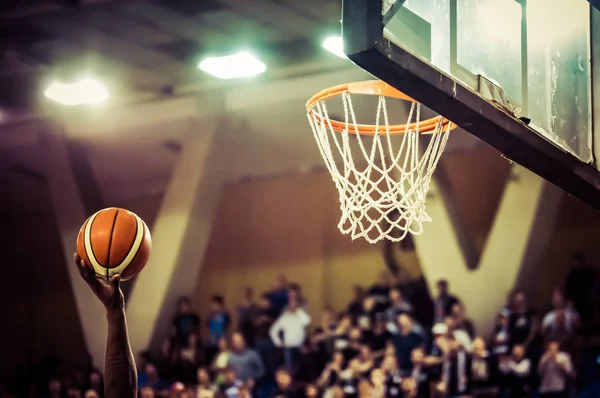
(114, 241)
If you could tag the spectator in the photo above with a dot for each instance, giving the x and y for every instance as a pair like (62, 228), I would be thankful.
(312, 361)
(350, 379)
(482, 369)
(500, 344)
(378, 383)
(523, 324)
(461, 336)
(164, 359)
(295, 293)
(91, 394)
(218, 323)
(96, 382)
(151, 378)
(55, 389)
(311, 391)
(367, 314)
(190, 357)
(420, 372)
(555, 369)
(560, 332)
(353, 345)
(377, 338)
(285, 384)
(220, 360)
(456, 369)
(365, 362)
(289, 332)
(443, 302)
(246, 311)
(325, 334)
(398, 305)
(516, 373)
(146, 392)
(203, 379)
(185, 321)
(230, 388)
(331, 375)
(405, 340)
(461, 322)
(393, 376)
(570, 317)
(244, 361)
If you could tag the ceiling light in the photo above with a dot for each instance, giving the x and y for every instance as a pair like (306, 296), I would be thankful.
(242, 64)
(334, 45)
(85, 91)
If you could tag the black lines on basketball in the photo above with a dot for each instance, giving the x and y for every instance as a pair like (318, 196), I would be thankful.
(112, 231)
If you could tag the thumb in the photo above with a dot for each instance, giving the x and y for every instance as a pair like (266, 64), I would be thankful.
(115, 280)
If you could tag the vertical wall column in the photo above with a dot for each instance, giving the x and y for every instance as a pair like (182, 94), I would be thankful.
(518, 238)
(70, 215)
(181, 232)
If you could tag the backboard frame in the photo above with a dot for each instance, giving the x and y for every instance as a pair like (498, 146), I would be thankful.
(366, 45)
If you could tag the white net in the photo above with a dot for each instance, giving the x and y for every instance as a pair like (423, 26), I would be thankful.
(382, 183)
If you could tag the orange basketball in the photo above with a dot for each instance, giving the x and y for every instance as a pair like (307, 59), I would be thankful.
(114, 241)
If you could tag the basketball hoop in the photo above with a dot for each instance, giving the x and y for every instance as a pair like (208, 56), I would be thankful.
(375, 181)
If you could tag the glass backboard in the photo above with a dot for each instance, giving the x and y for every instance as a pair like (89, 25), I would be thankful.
(517, 74)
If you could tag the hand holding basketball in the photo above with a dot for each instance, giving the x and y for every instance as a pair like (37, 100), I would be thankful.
(109, 294)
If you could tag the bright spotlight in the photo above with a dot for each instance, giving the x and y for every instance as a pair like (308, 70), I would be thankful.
(334, 45)
(242, 64)
(82, 92)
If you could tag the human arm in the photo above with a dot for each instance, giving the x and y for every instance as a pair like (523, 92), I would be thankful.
(274, 332)
(120, 375)
(521, 369)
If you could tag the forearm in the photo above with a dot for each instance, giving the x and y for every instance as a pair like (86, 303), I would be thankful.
(119, 368)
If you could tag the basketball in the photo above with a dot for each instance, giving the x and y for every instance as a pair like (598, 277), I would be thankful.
(114, 241)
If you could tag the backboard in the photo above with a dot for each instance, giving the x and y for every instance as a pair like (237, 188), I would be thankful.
(515, 73)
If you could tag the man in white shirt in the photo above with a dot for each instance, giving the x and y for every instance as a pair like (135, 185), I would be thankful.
(289, 333)
(555, 369)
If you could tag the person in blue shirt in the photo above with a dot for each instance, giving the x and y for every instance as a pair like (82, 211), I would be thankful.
(218, 322)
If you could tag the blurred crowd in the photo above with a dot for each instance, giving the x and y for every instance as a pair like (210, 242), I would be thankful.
(389, 342)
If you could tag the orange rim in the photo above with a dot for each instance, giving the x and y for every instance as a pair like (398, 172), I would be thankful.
(372, 87)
